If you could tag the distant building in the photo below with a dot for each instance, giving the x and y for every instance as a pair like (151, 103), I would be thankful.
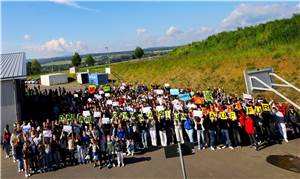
(12, 77)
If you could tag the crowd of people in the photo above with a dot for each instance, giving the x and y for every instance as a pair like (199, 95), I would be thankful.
(105, 124)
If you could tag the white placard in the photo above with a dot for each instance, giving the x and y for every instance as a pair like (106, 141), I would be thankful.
(26, 128)
(167, 85)
(109, 102)
(97, 114)
(67, 128)
(107, 70)
(160, 108)
(197, 113)
(247, 96)
(105, 120)
(89, 100)
(75, 95)
(159, 91)
(47, 133)
(97, 96)
(116, 103)
(101, 92)
(86, 113)
(107, 94)
(146, 109)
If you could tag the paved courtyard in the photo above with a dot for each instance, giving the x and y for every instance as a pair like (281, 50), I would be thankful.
(238, 163)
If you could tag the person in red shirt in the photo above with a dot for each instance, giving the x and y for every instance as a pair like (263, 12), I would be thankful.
(6, 141)
(249, 128)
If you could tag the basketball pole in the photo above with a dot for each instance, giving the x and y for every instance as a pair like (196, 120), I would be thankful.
(181, 161)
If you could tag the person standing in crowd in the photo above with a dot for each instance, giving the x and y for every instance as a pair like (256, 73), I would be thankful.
(280, 122)
(80, 150)
(26, 156)
(161, 125)
(200, 132)
(249, 127)
(178, 128)
(144, 133)
(210, 123)
(95, 151)
(294, 119)
(6, 141)
(189, 127)
(224, 126)
(71, 149)
(119, 151)
(152, 131)
(110, 150)
(19, 153)
(13, 143)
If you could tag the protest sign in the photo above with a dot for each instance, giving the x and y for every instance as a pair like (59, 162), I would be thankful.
(160, 108)
(174, 92)
(212, 115)
(75, 95)
(47, 133)
(109, 102)
(101, 92)
(97, 114)
(197, 113)
(223, 115)
(26, 128)
(232, 116)
(105, 120)
(247, 96)
(106, 89)
(88, 120)
(115, 103)
(265, 107)
(258, 109)
(208, 96)
(67, 128)
(97, 96)
(92, 89)
(249, 110)
(159, 91)
(86, 113)
(107, 94)
(146, 109)
(184, 97)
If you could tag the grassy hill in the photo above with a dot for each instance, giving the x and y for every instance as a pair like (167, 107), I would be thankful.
(220, 59)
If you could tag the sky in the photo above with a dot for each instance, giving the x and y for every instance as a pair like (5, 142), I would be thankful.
(62, 27)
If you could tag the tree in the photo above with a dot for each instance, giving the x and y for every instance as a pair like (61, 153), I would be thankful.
(90, 61)
(76, 59)
(28, 68)
(35, 67)
(139, 52)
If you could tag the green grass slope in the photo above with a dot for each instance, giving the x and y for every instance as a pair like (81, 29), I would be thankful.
(220, 59)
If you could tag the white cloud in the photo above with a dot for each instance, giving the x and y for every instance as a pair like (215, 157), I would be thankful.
(172, 30)
(27, 37)
(59, 45)
(73, 4)
(140, 31)
(252, 14)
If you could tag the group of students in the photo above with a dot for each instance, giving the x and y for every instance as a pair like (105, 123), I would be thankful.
(100, 125)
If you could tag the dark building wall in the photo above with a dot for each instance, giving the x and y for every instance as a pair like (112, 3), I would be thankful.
(12, 99)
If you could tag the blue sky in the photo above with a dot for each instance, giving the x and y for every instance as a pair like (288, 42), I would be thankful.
(61, 27)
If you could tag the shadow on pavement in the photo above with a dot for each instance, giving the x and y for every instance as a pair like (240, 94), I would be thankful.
(133, 160)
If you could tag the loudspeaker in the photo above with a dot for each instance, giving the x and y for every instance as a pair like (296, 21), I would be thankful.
(172, 150)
